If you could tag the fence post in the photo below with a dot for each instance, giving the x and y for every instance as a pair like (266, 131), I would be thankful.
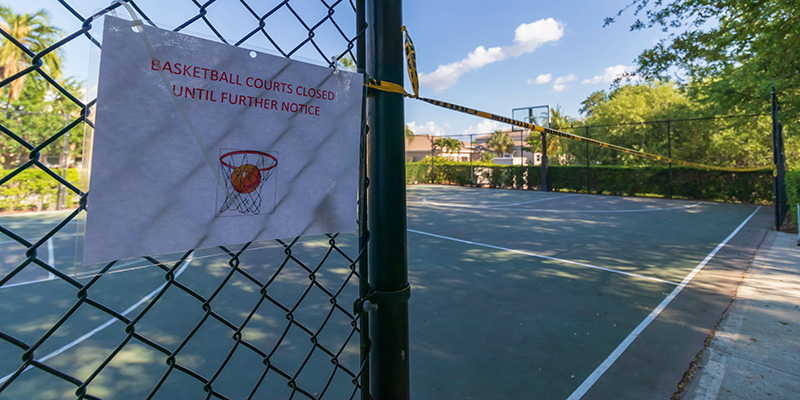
(471, 169)
(388, 271)
(543, 166)
(777, 163)
(669, 154)
(363, 228)
(433, 157)
(588, 177)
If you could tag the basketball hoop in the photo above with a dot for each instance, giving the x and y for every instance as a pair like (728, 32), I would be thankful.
(244, 172)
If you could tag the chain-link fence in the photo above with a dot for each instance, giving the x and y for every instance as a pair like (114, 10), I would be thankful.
(737, 141)
(260, 320)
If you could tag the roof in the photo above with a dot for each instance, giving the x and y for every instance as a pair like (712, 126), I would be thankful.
(423, 143)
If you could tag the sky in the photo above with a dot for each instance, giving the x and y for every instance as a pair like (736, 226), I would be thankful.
(515, 54)
(491, 56)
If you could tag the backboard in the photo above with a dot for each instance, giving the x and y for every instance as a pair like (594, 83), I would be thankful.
(538, 115)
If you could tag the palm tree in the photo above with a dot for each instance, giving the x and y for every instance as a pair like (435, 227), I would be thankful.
(449, 145)
(559, 121)
(34, 32)
(500, 142)
(409, 134)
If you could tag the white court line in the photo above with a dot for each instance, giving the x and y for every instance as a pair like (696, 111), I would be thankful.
(540, 200)
(427, 201)
(51, 259)
(76, 276)
(43, 222)
(550, 210)
(606, 364)
(649, 278)
(90, 274)
(629, 210)
(103, 326)
(56, 236)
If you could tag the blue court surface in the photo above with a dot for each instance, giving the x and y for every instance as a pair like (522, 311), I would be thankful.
(515, 295)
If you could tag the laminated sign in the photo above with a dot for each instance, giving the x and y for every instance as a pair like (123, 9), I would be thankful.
(199, 144)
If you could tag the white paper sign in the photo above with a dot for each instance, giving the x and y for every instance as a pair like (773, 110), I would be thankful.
(251, 147)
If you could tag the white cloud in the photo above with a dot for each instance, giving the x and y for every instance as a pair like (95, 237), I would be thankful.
(428, 128)
(485, 126)
(609, 74)
(560, 83)
(527, 38)
(541, 79)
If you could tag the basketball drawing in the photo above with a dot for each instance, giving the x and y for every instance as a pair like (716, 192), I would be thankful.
(244, 174)
(245, 178)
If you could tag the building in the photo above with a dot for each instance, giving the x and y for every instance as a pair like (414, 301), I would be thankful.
(519, 155)
(421, 146)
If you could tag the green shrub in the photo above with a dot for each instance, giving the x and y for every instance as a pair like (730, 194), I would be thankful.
(793, 193)
(34, 190)
(687, 182)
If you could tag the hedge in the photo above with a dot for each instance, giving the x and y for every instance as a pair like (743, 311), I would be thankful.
(687, 182)
(793, 193)
(34, 190)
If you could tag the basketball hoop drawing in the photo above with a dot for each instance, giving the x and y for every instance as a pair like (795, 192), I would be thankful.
(244, 173)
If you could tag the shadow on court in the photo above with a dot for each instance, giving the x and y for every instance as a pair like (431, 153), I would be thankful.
(522, 295)
(216, 322)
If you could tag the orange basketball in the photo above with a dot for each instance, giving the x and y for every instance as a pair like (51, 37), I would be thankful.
(245, 178)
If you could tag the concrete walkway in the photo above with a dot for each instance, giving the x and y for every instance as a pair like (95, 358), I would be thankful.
(755, 354)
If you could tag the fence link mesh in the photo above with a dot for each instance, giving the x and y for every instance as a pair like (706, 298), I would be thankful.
(577, 166)
(260, 320)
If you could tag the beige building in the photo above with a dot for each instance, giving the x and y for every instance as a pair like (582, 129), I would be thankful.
(519, 155)
(421, 146)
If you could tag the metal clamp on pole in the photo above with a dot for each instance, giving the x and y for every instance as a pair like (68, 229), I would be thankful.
(377, 298)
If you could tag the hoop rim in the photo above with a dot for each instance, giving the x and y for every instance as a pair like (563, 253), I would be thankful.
(260, 153)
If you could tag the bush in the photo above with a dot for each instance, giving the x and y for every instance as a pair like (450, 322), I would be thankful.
(34, 190)
(687, 182)
(793, 193)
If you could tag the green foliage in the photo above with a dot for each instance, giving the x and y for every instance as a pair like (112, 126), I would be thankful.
(486, 157)
(688, 183)
(793, 193)
(731, 50)
(34, 32)
(500, 142)
(448, 145)
(36, 116)
(409, 134)
(619, 117)
(34, 189)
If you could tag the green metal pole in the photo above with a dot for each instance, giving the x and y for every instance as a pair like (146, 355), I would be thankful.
(388, 270)
(775, 186)
(588, 177)
(669, 154)
(363, 229)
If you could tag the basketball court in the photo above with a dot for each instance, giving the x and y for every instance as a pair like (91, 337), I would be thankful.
(531, 295)
(515, 295)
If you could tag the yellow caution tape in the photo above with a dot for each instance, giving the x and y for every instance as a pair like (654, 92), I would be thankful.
(411, 62)
(412, 73)
(386, 87)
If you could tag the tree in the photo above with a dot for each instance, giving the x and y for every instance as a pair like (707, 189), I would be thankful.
(594, 99)
(409, 134)
(620, 119)
(486, 156)
(731, 51)
(35, 116)
(34, 32)
(500, 142)
(559, 121)
(449, 145)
